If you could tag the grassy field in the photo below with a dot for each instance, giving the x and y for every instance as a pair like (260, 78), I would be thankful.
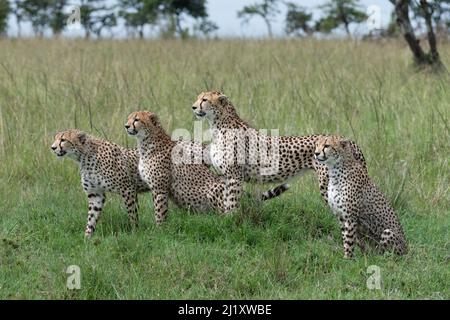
(288, 248)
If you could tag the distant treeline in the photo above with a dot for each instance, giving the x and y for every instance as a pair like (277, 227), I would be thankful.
(169, 18)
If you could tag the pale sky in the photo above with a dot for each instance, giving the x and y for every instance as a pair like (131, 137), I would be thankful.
(224, 14)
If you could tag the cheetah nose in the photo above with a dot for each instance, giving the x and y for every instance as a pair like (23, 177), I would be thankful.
(194, 107)
(317, 154)
(127, 126)
(53, 148)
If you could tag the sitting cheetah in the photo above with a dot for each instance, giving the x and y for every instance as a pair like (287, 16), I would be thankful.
(362, 209)
(168, 174)
(242, 153)
(104, 167)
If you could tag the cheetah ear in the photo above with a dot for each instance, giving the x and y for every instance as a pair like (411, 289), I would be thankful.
(223, 99)
(82, 137)
(154, 119)
(344, 143)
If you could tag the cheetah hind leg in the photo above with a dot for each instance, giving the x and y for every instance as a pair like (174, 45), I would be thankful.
(348, 237)
(130, 201)
(96, 202)
(160, 203)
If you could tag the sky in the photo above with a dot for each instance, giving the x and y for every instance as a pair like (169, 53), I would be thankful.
(224, 14)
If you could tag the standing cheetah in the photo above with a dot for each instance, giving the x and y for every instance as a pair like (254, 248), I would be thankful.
(169, 174)
(362, 209)
(104, 167)
(242, 153)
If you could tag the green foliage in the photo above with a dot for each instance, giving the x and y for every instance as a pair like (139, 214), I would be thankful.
(36, 11)
(392, 29)
(5, 9)
(95, 16)
(298, 20)
(440, 14)
(174, 10)
(340, 13)
(205, 27)
(57, 18)
(43, 14)
(286, 248)
(139, 13)
(266, 10)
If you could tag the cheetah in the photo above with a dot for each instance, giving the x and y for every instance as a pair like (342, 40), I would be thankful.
(363, 211)
(242, 153)
(104, 167)
(163, 165)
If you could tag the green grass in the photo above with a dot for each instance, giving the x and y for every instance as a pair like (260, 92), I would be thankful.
(288, 248)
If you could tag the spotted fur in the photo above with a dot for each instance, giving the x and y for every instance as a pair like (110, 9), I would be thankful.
(104, 167)
(169, 173)
(364, 213)
(236, 155)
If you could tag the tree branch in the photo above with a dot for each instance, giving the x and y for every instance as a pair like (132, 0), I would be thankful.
(402, 12)
(428, 13)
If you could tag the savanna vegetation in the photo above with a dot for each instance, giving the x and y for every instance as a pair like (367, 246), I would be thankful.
(288, 248)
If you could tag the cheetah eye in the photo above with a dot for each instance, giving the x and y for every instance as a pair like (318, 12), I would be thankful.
(204, 99)
(63, 140)
(136, 120)
(326, 146)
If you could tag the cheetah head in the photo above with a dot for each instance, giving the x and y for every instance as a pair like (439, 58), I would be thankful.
(68, 142)
(211, 105)
(142, 124)
(329, 149)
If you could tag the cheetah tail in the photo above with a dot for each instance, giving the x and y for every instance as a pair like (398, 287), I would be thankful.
(274, 192)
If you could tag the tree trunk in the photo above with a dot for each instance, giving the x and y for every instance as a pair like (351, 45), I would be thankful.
(19, 26)
(347, 30)
(178, 27)
(434, 54)
(421, 58)
(269, 27)
(402, 12)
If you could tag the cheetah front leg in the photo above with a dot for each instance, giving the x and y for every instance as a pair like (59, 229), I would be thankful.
(232, 192)
(130, 200)
(233, 188)
(96, 202)
(349, 236)
(160, 203)
(322, 176)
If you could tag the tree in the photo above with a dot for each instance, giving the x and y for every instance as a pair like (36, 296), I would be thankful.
(205, 27)
(45, 13)
(392, 28)
(106, 20)
(266, 10)
(4, 13)
(139, 13)
(36, 11)
(174, 10)
(340, 13)
(56, 16)
(298, 20)
(421, 58)
(440, 15)
(96, 15)
(18, 11)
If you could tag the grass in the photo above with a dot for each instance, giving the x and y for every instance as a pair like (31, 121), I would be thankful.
(288, 248)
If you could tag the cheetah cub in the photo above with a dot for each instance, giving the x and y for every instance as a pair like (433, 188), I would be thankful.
(168, 174)
(104, 167)
(363, 211)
